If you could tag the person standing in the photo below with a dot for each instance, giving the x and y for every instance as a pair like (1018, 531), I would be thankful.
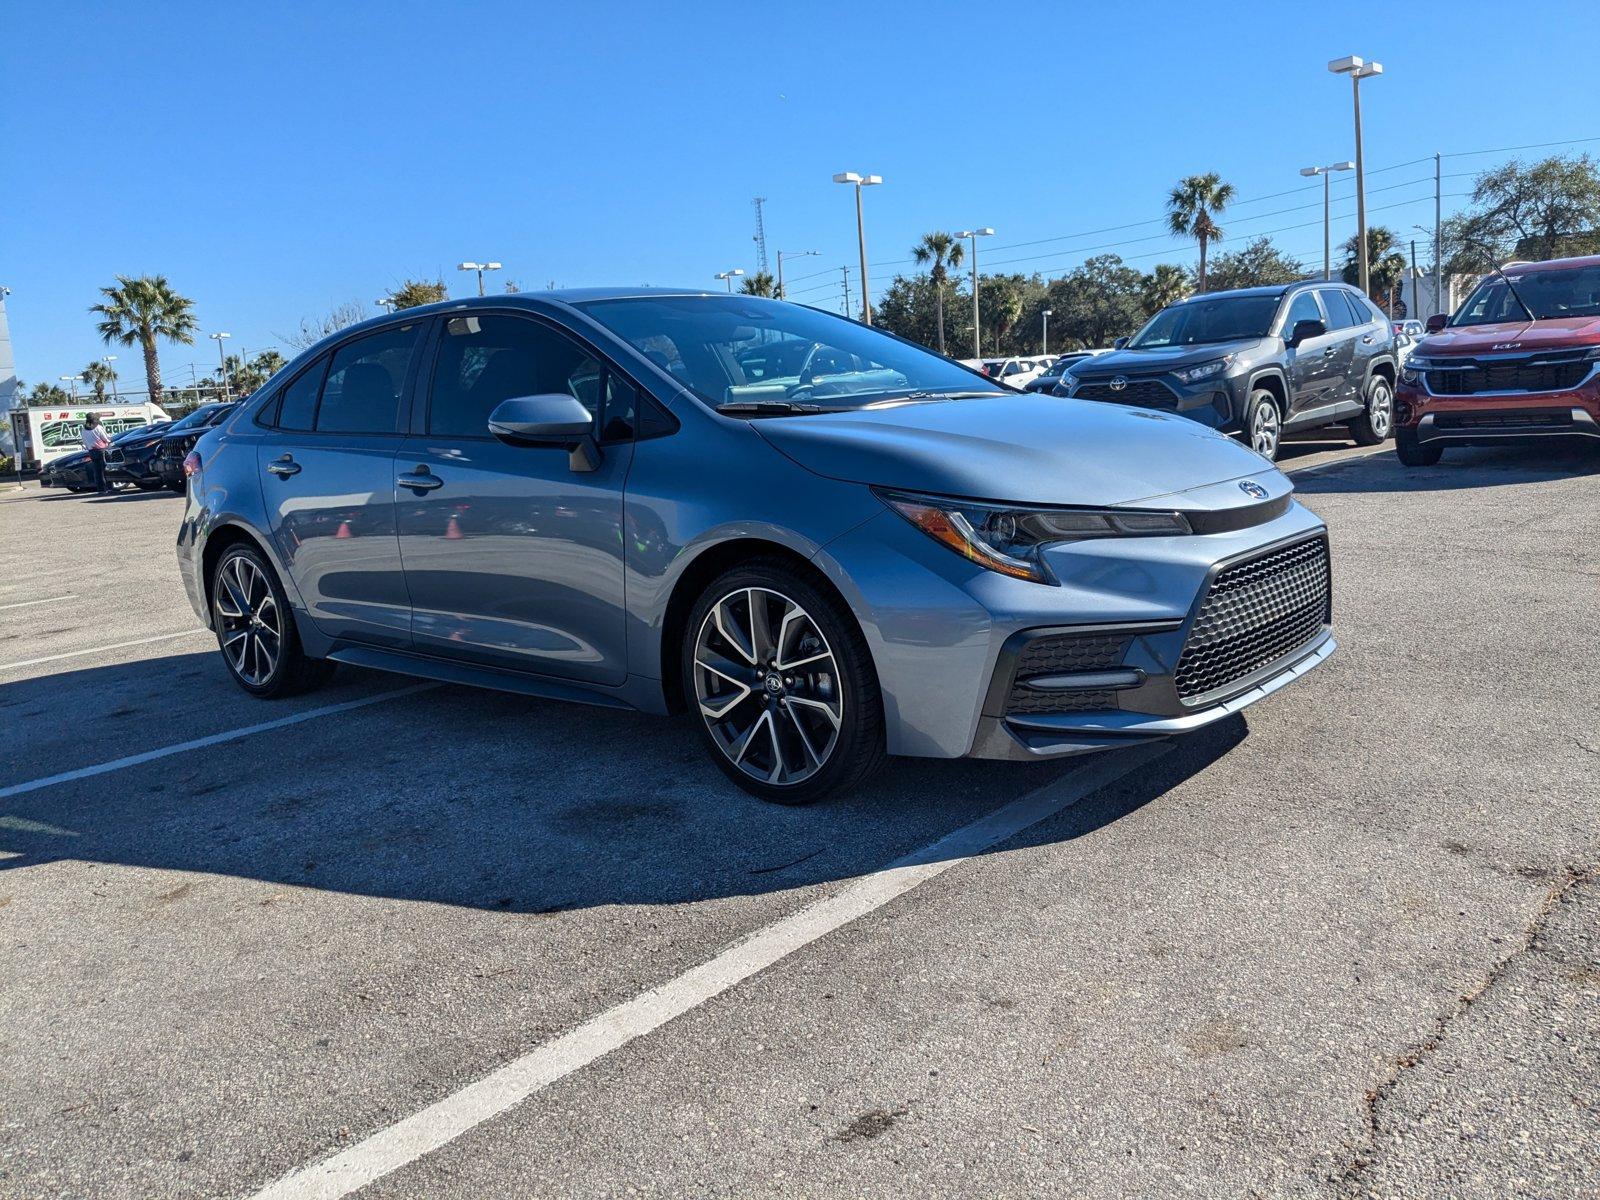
(95, 442)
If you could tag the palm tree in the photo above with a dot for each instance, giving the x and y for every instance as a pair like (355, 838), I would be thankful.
(268, 362)
(759, 284)
(1166, 284)
(414, 292)
(1386, 265)
(939, 252)
(48, 395)
(98, 374)
(1192, 211)
(138, 311)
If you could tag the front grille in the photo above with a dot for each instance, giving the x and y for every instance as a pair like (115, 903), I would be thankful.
(1142, 393)
(1537, 419)
(1517, 376)
(1255, 613)
(1059, 654)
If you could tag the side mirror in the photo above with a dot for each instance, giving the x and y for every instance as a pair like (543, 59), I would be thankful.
(1437, 322)
(1119, 343)
(1306, 330)
(555, 419)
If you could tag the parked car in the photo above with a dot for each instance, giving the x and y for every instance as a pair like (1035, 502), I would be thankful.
(514, 492)
(1258, 362)
(164, 463)
(1015, 372)
(127, 461)
(1055, 374)
(71, 471)
(1518, 362)
(1410, 328)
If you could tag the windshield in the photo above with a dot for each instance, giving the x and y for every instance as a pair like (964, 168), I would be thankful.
(200, 416)
(1224, 319)
(1551, 293)
(748, 350)
(1059, 367)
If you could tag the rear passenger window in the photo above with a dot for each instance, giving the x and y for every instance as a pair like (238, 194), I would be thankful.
(484, 360)
(365, 381)
(299, 405)
(1339, 314)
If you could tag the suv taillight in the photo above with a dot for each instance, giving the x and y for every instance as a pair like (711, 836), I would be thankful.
(191, 463)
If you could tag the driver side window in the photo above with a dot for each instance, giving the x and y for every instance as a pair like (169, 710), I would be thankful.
(484, 360)
(1302, 308)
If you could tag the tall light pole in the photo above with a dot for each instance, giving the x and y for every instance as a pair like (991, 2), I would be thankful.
(72, 382)
(860, 182)
(1044, 342)
(1326, 172)
(782, 254)
(387, 303)
(1358, 69)
(222, 357)
(728, 277)
(975, 234)
(480, 268)
(108, 359)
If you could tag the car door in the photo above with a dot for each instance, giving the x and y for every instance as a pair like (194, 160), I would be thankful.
(1311, 365)
(1372, 335)
(514, 554)
(1344, 327)
(327, 480)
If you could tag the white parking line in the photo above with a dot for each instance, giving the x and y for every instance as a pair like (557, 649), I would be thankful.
(215, 739)
(447, 1119)
(50, 600)
(160, 637)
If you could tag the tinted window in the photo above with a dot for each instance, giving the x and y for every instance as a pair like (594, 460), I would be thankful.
(1302, 308)
(484, 360)
(299, 405)
(365, 381)
(1339, 314)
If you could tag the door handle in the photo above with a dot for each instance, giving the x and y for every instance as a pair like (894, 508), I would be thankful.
(1330, 352)
(1366, 339)
(421, 481)
(284, 467)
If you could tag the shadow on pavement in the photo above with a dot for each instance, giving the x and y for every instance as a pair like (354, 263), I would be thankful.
(1461, 467)
(479, 799)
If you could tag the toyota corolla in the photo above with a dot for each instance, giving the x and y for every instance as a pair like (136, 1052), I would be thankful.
(829, 545)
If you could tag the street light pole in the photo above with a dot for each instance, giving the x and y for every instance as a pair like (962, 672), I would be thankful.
(1326, 172)
(1044, 341)
(975, 234)
(480, 268)
(227, 391)
(790, 254)
(860, 182)
(728, 277)
(387, 303)
(1358, 69)
(116, 396)
(72, 383)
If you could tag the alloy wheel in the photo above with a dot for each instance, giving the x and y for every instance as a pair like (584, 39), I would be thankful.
(1380, 409)
(1264, 430)
(250, 624)
(768, 686)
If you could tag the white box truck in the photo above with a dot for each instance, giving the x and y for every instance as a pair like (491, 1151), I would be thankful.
(43, 434)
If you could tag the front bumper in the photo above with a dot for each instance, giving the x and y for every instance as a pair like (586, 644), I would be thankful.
(1499, 417)
(1217, 403)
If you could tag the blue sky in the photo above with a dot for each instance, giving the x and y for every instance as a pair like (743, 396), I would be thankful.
(276, 159)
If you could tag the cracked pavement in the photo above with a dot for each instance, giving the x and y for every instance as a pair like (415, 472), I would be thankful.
(1347, 946)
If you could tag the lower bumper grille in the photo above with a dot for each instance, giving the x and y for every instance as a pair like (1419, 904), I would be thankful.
(1560, 419)
(1143, 393)
(1255, 613)
(1060, 654)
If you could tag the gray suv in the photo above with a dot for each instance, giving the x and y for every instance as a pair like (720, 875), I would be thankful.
(828, 544)
(1257, 362)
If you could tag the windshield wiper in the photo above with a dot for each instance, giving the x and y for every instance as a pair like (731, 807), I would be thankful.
(770, 408)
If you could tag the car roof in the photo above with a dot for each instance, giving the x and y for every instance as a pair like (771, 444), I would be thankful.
(1559, 264)
(1270, 289)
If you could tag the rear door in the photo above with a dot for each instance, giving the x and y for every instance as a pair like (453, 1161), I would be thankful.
(1345, 328)
(513, 557)
(327, 478)
(1313, 367)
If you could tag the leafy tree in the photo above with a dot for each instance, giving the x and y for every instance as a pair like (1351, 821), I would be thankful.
(1548, 209)
(1099, 301)
(313, 329)
(268, 362)
(135, 312)
(759, 284)
(1386, 265)
(939, 252)
(99, 375)
(1001, 300)
(1166, 284)
(1258, 264)
(1193, 207)
(413, 293)
(48, 395)
(911, 309)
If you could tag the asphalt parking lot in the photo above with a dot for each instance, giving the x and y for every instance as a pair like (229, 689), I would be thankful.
(1346, 945)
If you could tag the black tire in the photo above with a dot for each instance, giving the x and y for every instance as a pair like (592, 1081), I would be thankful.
(1263, 424)
(1413, 453)
(180, 488)
(832, 693)
(146, 487)
(1376, 423)
(291, 671)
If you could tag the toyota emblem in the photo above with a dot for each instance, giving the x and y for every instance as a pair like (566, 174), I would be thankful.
(1252, 489)
(1118, 382)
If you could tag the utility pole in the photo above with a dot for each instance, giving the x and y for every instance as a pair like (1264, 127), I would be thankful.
(761, 237)
(846, 271)
(1416, 296)
(1044, 341)
(791, 254)
(1438, 238)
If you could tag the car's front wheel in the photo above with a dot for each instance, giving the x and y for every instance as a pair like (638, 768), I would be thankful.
(782, 684)
(256, 630)
(1263, 423)
(1413, 453)
(1376, 421)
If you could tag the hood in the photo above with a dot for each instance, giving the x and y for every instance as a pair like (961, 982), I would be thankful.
(1560, 333)
(1025, 449)
(1159, 358)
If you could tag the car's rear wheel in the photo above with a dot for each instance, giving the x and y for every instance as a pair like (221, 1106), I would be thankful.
(782, 685)
(1376, 422)
(256, 630)
(1263, 424)
(1414, 453)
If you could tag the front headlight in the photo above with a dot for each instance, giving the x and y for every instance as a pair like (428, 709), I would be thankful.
(1204, 370)
(1012, 540)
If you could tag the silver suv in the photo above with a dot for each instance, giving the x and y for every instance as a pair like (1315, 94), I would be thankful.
(827, 543)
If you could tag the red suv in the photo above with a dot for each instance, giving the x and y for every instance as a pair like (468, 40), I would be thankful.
(1519, 361)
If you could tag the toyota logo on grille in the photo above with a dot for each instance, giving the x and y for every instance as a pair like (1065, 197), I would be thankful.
(1118, 382)
(1252, 489)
